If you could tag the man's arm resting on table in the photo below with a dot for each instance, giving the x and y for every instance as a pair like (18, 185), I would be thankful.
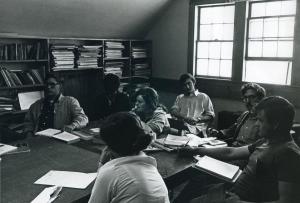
(222, 153)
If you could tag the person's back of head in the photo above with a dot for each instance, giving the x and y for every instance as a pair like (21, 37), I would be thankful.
(279, 112)
(124, 134)
(111, 83)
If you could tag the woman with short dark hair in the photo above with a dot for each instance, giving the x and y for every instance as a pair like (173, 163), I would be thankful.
(125, 173)
(151, 112)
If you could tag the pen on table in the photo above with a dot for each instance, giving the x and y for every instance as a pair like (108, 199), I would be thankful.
(55, 192)
(58, 132)
(187, 143)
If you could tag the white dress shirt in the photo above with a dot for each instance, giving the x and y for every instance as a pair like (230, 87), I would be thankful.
(133, 179)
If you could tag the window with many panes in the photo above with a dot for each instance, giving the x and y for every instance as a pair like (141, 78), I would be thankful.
(214, 41)
(268, 42)
(270, 38)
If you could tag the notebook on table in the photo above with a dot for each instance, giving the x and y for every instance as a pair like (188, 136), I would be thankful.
(60, 135)
(219, 169)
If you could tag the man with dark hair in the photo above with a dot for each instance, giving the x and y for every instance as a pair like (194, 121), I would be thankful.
(112, 100)
(54, 111)
(192, 107)
(243, 131)
(126, 173)
(272, 172)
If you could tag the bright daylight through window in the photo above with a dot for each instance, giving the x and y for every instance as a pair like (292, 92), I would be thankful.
(215, 41)
(268, 41)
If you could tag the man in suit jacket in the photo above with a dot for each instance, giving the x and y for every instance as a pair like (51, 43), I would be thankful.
(54, 111)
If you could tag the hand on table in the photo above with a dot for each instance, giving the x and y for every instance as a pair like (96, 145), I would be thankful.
(68, 128)
(212, 132)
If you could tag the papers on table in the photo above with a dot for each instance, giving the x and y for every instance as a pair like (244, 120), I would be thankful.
(152, 148)
(58, 134)
(177, 141)
(172, 142)
(48, 132)
(67, 137)
(195, 141)
(208, 142)
(67, 179)
(218, 168)
(4, 148)
(48, 195)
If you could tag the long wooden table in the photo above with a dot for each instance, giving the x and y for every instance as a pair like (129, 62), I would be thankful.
(20, 171)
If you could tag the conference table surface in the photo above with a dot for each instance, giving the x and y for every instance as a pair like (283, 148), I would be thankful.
(21, 170)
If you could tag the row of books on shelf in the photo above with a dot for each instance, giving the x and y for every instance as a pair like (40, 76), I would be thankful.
(6, 104)
(139, 52)
(71, 56)
(142, 72)
(62, 56)
(23, 51)
(15, 78)
(114, 49)
(89, 56)
(116, 71)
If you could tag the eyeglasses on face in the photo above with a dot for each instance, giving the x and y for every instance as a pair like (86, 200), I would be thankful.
(250, 97)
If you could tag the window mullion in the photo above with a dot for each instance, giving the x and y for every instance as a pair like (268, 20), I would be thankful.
(238, 41)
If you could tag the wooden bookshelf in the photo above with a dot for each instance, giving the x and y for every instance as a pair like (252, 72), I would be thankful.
(23, 65)
(80, 62)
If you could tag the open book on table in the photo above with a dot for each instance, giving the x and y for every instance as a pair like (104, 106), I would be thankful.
(176, 141)
(219, 169)
(58, 134)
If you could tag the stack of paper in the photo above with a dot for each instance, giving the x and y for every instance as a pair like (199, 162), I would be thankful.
(218, 168)
(177, 141)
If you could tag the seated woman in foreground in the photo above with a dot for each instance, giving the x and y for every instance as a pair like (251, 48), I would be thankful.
(125, 173)
(150, 111)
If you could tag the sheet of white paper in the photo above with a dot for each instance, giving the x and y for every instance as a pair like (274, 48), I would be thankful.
(28, 98)
(4, 148)
(45, 195)
(195, 141)
(65, 136)
(67, 179)
(95, 130)
(48, 132)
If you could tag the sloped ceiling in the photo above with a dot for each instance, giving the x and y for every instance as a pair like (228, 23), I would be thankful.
(80, 18)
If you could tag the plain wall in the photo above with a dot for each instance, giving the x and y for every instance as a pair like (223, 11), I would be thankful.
(80, 18)
(169, 37)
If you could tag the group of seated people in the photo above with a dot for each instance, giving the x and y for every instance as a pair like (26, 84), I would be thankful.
(260, 139)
